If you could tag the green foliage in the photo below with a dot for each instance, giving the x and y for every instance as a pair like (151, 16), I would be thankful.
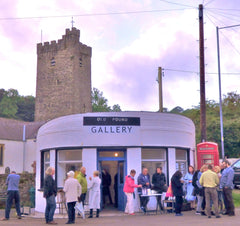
(26, 108)
(100, 103)
(231, 123)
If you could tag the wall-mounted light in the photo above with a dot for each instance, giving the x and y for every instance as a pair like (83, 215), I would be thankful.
(116, 154)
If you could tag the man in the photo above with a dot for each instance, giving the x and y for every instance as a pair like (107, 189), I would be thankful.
(144, 180)
(81, 177)
(209, 180)
(106, 182)
(50, 192)
(159, 184)
(226, 183)
(12, 193)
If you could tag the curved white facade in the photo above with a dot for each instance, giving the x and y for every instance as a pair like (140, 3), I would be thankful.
(132, 131)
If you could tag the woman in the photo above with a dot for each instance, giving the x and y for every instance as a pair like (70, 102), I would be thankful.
(129, 190)
(72, 190)
(177, 185)
(50, 192)
(94, 193)
(188, 180)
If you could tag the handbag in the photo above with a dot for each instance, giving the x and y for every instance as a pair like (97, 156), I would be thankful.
(80, 209)
(169, 192)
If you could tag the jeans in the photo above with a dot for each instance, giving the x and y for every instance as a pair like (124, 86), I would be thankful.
(82, 198)
(10, 196)
(211, 194)
(143, 201)
(50, 208)
(179, 202)
(71, 212)
(229, 200)
(199, 203)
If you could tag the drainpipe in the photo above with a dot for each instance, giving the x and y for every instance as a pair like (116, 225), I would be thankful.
(24, 146)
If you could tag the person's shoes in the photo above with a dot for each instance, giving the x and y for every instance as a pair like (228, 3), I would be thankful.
(143, 209)
(209, 216)
(4, 219)
(198, 213)
(225, 213)
(218, 216)
(19, 217)
(52, 222)
(231, 214)
(203, 213)
(132, 214)
(69, 222)
(178, 214)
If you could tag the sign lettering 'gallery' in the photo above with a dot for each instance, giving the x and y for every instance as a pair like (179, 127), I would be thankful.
(117, 125)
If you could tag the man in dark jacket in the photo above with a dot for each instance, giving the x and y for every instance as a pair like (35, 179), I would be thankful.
(106, 182)
(144, 180)
(159, 184)
(50, 192)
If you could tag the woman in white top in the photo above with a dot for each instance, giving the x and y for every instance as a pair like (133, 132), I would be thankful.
(72, 190)
(94, 193)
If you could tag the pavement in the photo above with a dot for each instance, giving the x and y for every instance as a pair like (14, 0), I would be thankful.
(113, 217)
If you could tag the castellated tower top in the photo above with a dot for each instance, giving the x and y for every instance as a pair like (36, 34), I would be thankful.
(70, 39)
(63, 77)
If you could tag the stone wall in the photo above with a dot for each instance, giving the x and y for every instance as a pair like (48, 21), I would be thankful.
(27, 180)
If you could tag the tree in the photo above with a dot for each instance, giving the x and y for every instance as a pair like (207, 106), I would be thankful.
(26, 108)
(100, 103)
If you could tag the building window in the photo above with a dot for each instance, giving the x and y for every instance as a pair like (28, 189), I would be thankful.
(53, 62)
(67, 160)
(153, 158)
(80, 61)
(45, 163)
(181, 160)
(1, 154)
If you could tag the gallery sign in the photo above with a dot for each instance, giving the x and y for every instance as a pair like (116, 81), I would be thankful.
(111, 125)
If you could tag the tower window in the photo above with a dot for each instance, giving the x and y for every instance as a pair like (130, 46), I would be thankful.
(80, 62)
(53, 62)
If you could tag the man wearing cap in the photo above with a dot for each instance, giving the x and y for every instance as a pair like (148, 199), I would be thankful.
(72, 190)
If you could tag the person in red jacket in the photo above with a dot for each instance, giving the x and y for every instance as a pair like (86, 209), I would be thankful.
(129, 190)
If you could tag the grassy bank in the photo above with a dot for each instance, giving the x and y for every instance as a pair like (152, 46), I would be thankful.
(236, 197)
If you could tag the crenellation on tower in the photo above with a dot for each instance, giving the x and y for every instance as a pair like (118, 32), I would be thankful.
(63, 77)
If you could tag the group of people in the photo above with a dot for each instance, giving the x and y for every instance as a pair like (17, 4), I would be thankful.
(207, 187)
(143, 184)
(75, 191)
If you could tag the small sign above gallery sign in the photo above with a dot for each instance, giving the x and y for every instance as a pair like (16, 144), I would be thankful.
(111, 125)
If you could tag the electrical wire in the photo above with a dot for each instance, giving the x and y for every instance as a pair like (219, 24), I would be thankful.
(93, 14)
(175, 3)
(210, 1)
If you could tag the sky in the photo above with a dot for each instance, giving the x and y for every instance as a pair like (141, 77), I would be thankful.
(130, 39)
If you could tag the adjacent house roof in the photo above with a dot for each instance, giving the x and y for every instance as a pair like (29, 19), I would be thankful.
(11, 129)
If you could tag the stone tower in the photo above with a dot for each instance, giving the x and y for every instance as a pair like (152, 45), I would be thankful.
(63, 77)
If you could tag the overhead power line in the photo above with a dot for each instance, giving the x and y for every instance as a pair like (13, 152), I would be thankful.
(93, 14)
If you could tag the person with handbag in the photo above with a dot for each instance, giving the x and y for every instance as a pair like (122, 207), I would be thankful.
(72, 190)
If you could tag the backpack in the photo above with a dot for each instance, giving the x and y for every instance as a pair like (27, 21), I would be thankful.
(195, 179)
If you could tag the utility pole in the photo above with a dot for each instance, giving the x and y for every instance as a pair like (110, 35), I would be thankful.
(202, 77)
(160, 89)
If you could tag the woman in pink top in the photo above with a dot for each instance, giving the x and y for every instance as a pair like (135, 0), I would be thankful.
(129, 190)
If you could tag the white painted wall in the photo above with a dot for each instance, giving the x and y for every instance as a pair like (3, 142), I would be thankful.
(171, 162)
(89, 159)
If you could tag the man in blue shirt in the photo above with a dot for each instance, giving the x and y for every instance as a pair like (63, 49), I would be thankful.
(226, 183)
(12, 193)
(144, 180)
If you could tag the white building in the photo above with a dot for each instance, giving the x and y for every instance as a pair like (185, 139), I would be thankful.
(116, 141)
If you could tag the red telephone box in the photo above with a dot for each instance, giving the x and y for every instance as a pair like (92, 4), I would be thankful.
(207, 153)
